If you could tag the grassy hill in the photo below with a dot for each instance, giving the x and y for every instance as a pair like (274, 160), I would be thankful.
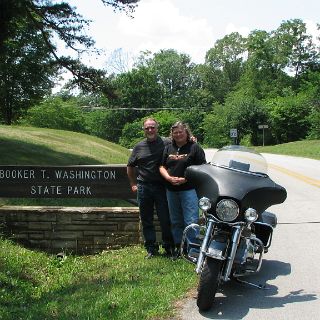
(305, 148)
(40, 146)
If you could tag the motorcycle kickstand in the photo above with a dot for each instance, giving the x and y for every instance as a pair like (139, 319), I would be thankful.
(259, 286)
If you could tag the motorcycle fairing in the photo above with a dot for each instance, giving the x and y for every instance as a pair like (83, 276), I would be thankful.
(250, 190)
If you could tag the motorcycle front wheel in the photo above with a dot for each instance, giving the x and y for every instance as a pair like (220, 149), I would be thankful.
(208, 283)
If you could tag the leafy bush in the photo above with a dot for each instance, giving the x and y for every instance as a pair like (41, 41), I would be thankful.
(216, 126)
(314, 119)
(246, 140)
(290, 117)
(132, 132)
(55, 113)
(108, 124)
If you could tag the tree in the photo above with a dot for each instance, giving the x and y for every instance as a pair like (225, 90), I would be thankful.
(120, 62)
(216, 125)
(59, 18)
(225, 61)
(173, 72)
(278, 60)
(26, 72)
(294, 48)
(246, 113)
(290, 117)
(311, 88)
(263, 75)
(138, 89)
(30, 27)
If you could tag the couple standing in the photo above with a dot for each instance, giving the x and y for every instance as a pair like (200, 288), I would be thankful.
(160, 183)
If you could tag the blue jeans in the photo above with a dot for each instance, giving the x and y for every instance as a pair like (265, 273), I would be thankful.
(150, 196)
(183, 209)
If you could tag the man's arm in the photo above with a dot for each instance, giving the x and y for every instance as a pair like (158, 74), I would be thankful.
(131, 172)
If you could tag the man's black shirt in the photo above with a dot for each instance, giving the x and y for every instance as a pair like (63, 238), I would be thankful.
(146, 156)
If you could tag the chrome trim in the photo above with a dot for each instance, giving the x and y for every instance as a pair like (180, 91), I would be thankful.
(261, 253)
(235, 241)
(231, 224)
(216, 254)
(247, 272)
(184, 236)
(271, 234)
(204, 246)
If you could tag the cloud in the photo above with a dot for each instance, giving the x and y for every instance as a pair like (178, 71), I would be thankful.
(158, 24)
(244, 31)
(312, 29)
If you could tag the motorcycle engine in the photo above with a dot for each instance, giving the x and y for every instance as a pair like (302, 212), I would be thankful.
(245, 251)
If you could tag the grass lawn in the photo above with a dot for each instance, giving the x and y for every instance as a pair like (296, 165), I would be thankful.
(305, 148)
(118, 284)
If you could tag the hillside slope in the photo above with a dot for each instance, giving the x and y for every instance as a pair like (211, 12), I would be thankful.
(40, 146)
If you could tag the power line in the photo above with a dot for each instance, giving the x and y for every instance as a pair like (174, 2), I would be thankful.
(139, 109)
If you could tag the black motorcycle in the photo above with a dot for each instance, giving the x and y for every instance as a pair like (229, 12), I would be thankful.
(234, 230)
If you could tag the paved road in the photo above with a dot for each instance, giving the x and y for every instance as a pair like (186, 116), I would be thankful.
(291, 267)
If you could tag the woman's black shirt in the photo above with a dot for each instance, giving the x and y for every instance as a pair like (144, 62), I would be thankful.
(176, 160)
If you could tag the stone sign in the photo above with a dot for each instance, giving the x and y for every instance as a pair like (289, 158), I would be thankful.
(89, 181)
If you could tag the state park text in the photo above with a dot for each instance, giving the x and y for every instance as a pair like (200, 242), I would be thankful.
(101, 181)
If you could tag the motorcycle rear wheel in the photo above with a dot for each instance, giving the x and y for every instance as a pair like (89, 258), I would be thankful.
(208, 283)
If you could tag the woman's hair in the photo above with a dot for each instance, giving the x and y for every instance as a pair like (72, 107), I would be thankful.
(183, 125)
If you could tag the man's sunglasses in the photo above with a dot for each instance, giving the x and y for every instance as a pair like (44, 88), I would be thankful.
(149, 128)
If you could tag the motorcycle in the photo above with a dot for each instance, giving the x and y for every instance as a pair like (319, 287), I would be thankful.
(234, 230)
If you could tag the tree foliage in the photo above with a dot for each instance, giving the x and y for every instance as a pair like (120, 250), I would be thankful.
(266, 78)
(26, 71)
(28, 33)
(226, 61)
(55, 113)
(289, 117)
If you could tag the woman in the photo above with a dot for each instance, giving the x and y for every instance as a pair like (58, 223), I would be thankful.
(182, 197)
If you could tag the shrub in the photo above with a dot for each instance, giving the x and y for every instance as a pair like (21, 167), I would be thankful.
(55, 113)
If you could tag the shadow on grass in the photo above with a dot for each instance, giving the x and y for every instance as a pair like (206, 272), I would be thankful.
(33, 154)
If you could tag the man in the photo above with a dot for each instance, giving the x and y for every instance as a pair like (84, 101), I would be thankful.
(149, 185)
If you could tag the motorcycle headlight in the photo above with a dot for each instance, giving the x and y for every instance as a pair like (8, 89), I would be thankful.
(204, 204)
(251, 215)
(227, 210)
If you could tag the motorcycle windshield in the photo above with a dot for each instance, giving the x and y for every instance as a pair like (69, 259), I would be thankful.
(240, 158)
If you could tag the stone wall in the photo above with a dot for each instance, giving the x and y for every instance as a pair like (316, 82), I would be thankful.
(71, 229)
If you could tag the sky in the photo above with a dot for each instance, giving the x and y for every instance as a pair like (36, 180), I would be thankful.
(188, 26)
